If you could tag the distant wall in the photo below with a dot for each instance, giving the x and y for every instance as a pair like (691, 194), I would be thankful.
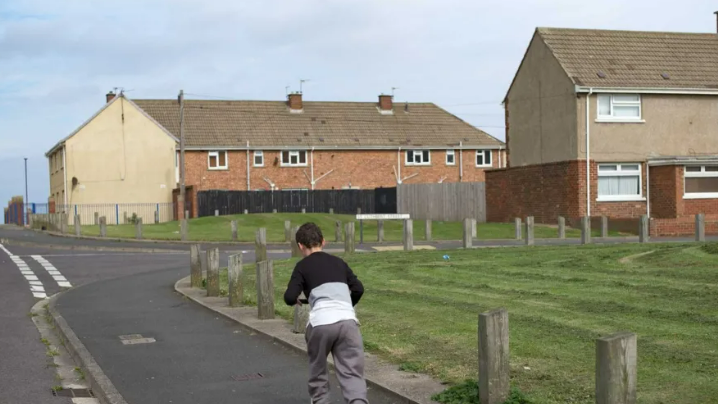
(445, 202)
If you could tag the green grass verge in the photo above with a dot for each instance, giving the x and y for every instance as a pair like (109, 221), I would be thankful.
(421, 312)
(218, 228)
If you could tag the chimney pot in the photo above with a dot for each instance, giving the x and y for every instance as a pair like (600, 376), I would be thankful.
(386, 102)
(110, 96)
(294, 101)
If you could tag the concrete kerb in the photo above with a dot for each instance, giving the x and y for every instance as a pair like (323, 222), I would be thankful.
(404, 387)
(101, 386)
(90, 248)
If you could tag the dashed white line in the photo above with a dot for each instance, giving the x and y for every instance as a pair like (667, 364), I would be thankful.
(56, 275)
(38, 291)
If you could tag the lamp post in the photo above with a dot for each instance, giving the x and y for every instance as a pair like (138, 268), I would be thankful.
(27, 203)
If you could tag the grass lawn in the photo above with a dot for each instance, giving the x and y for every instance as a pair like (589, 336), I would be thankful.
(421, 312)
(218, 228)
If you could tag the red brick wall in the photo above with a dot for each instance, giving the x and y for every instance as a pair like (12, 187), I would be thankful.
(692, 207)
(364, 169)
(682, 226)
(666, 191)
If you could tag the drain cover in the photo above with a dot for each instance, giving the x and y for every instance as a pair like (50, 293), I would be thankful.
(247, 377)
(72, 393)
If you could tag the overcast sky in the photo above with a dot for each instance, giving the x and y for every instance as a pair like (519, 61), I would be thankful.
(59, 58)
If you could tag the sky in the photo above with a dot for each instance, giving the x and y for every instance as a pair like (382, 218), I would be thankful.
(59, 58)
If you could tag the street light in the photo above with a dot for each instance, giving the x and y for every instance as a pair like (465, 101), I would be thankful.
(27, 202)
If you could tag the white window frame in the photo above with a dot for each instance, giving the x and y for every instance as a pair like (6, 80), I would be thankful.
(292, 153)
(257, 153)
(486, 153)
(621, 173)
(610, 117)
(451, 153)
(702, 174)
(216, 154)
(414, 154)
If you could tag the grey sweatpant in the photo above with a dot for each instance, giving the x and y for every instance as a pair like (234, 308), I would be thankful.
(343, 340)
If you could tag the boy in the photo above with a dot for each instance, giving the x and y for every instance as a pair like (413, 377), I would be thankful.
(333, 291)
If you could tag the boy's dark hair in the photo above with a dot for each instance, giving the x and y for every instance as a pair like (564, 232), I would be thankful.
(310, 235)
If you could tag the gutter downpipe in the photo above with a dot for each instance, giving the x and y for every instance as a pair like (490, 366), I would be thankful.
(588, 153)
(311, 158)
(461, 161)
(398, 164)
(248, 184)
(64, 172)
(648, 192)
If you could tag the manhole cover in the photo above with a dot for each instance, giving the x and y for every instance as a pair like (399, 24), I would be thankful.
(79, 393)
(247, 377)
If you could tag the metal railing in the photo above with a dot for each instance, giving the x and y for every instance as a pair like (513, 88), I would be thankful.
(115, 213)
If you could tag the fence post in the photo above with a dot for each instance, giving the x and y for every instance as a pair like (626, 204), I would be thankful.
(195, 266)
(216, 212)
(157, 216)
(616, 367)
(186, 214)
(304, 210)
(349, 238)
(585, 230)
(700, 228)
(604, 226)
(184, 227)
(296, 252)
(643, 235)
(235, 280)
(427, 230)
(97, 219)
(517, 228)
(467, 238)
(358, 211)
(260, 245)
(265, 290)
(103, 226)
(331, 211)
(473, 228)
(78, 227)
(380, 231)
(561, 227)
(246, 211)
(338, 231)
(274, 210)
(361, 231)
(408, 235)
(124, 217)
(138, 228)
(233, 226)
(64, 219)
(287, 231)
(530, 230)
(301, 317)
(213, 272)
(494, 357)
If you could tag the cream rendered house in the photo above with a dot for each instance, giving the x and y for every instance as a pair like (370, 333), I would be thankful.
(119, 156)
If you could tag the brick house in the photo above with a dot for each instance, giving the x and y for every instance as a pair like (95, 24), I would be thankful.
(614, 123)
(297, 144)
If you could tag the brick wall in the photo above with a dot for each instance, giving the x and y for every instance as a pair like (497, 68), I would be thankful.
(682, 226)
(666, 191)
(693, 207)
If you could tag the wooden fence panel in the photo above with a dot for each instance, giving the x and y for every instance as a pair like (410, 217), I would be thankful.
(445, 202)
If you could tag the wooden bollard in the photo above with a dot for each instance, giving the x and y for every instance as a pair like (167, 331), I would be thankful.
(216, 212)
(494, 357)
(604, 226)
(246, 211)
(701, 228)
(157, 217)
(78, 226)
(65, 218)
(195, 266)
(213, 272)
(233, 225)
(331, 211)
(530, 230)
(380, 231)
(235, 280)
(97, 219)
(296, 252)
(338, 231)
(349, 247)
(517, 228)
(287, 231)
(585, 230)
(260, 245)
(427, 230)
(274, 210)
(301, 317)
(616, 369)
(408, 235)
(184, 228)
(474, 230)
(304, 210)
(138, 228)
(561, 227)
(265, 290)
(468, 239)
(643, 235)
(124, 217)
(103, 226)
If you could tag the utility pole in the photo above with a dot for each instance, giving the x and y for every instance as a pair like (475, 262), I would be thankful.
(27, 202)
(181, 199)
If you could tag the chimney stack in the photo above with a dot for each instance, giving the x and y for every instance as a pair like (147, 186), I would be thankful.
(386, 103)
(716, 13)
(110, 96)
(294, 100)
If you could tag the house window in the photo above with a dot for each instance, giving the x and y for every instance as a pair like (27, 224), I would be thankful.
(701, 182)
(294, 158)
(450, 158)
(217, 160)
(259, 158)
(483, 158)
(619, 107)
(418, 157)
(619, 182)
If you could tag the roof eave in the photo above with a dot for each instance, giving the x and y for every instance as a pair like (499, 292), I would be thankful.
(315, 147)
(647, 90)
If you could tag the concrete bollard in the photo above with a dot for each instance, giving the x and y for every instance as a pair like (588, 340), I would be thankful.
(643, 235)
(604, 226)
(301, 317)
(304, 210)
(246, 211)
(65, 219)
(701, 228)
(184, 229)
(474, 231)
(103, 226)
(358, 211)
(467, 236)
(265, 290)
(585, 230)
(124, 218)
(138, 228)
(260, 245)
(561, 227)
(349, 247)
(213, 272)
(494, 385)
(186, 214)
(235, 280)
(78, 226)
(380, 231)
(331, 211)
(274, 210)
(338, 231)
(195, 266)
(517, 228)
(616, 369)
(296, 252)
(427, 230)
(287, 231)
(157, 217)
(216, 212)
(530, 230)
(233, 225)
(97, 219)
(408, 235)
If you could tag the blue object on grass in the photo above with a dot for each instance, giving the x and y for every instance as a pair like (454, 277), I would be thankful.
(446, 257)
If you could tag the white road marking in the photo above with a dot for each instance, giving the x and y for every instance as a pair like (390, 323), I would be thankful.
(56, 275)
(38, 291)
